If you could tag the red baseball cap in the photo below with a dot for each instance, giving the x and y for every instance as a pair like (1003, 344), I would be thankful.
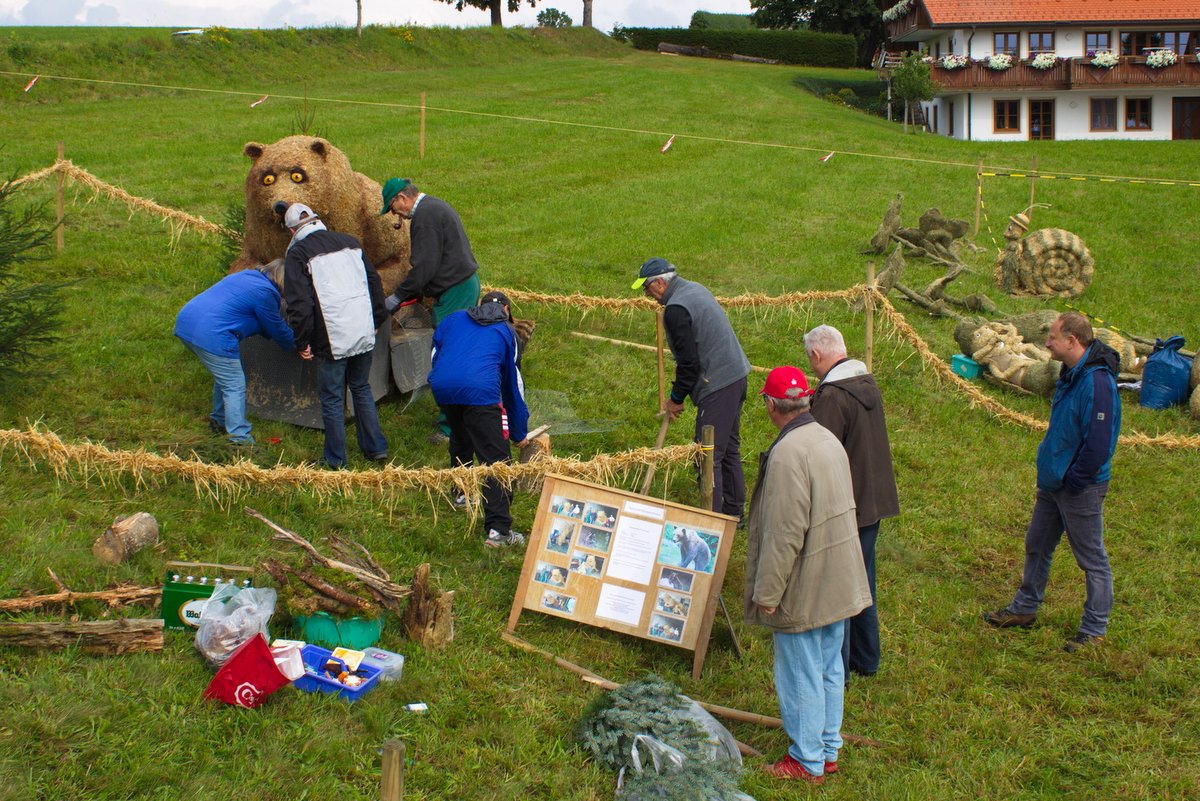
(786, 383)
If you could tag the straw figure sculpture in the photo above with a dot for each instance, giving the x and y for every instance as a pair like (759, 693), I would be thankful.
(1010, 359)
(1050, 262)
(310, 170)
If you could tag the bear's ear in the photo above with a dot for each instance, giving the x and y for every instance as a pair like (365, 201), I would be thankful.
(254, 150)
(320, 147)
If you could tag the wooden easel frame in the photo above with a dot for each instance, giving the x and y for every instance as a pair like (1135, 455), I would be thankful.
(583, 593)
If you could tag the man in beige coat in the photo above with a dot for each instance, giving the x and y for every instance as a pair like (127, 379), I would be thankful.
(804, 573)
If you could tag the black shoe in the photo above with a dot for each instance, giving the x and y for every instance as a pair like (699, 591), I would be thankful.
(1004, 619)
(1081, 641)
(379, 458)
(214, 427)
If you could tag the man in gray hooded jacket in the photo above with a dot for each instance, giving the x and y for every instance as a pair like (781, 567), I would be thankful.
(849, 404)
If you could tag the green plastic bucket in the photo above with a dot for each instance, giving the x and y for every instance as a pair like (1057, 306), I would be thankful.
(325, 629)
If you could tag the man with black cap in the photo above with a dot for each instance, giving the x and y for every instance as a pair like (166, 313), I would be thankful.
(710, 368)
(334, 307)
(443, 266)
(477, 383)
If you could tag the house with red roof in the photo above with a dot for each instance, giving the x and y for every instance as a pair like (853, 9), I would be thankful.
(1010, 70)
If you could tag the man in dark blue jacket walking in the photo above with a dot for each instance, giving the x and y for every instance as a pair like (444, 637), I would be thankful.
(1073, 467)
(476, 382)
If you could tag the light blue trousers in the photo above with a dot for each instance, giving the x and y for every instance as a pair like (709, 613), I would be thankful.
(810, 682)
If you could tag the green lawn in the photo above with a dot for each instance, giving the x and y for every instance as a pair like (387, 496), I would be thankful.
(548, 145)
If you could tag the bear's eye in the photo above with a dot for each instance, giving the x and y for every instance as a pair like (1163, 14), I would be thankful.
(268, 179)
(298, 177)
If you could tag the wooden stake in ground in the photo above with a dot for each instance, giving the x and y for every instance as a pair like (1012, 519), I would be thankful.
(1032, 184)
(99, 637)
(429, 618)
(978, 196)
(391, 778)
(59, 207)
(706, 466)
(658, 443)
(662, 372)
(869, 301)
(125, 537)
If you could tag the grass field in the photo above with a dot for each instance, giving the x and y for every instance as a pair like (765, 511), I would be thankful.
(548, 145)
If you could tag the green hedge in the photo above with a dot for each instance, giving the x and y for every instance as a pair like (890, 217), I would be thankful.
(793, 47)
(709, 21)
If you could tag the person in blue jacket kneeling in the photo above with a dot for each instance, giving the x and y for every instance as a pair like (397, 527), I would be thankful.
(477, 383)
(212, 325)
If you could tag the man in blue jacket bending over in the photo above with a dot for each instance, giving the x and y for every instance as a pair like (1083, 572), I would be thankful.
(476, 382)
(1073, 463)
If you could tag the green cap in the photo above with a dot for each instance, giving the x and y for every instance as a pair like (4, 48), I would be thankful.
(652, 268)
(393, 187)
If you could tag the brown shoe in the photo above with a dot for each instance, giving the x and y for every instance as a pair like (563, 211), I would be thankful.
(789, 768)
(1081, 641)
(1004, 619)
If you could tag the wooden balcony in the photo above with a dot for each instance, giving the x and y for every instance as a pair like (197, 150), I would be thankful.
(912, 27)
(1075, 73)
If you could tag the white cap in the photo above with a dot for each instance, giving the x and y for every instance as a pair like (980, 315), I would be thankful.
(298, 214)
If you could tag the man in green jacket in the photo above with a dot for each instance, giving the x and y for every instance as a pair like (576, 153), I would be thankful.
(804, 573)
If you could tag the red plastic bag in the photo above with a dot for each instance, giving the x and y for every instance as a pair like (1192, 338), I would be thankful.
(248, 676)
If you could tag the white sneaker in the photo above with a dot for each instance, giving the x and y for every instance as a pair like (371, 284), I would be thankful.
(460, 502)
(497, 540)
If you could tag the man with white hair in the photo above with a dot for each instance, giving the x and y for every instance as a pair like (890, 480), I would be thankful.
(849, 404)
(710, 368)
(334, 306)
(804, 574)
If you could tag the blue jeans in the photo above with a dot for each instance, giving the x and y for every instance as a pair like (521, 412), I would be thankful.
(860, 651)
(333, 378)
(1081, 516)
(810, 685)
(229, 393)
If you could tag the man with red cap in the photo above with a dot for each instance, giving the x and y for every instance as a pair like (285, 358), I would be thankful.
(804, 573)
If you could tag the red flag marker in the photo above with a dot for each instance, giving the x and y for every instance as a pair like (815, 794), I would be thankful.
(826, 157)
(29, 85)
(259, 102)
(667, 146)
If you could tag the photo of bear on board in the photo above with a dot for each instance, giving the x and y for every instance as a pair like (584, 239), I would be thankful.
(556, 602)
(595, 538)
(688, 547)
(587, 564)
(566, 507)
(561, 534)
(673, 604)
(666, 628)
(550, 574)
(676, 579)
(603, 516)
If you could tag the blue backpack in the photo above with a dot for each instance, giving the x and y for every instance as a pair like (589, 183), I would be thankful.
(1165, 376)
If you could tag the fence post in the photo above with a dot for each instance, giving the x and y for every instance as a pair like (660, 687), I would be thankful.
(706, 467)
(422, 125)
(870, 306)
(978, 196)
(1032, 183)
(391, 780)
(59, 207)
(662, 373)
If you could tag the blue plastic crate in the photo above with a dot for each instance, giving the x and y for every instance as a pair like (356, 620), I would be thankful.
(965, 366)
(314, 657)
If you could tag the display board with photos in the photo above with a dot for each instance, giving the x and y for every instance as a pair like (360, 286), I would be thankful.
(626, 562)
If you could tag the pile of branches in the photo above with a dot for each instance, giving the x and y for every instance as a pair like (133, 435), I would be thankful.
(348, 584)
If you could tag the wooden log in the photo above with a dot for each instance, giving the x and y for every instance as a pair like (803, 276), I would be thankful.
(125, 537)
(347, 599)
(391, 778)
(429, 616)
(99, 637)
(114, 597)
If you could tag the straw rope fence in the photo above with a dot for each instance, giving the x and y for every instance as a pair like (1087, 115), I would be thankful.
(178, 220)
(89, 460)
(225, 483)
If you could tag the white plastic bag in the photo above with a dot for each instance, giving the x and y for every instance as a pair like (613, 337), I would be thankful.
(233, 615)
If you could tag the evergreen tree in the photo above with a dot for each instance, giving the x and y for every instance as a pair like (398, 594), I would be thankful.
(30, 312)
